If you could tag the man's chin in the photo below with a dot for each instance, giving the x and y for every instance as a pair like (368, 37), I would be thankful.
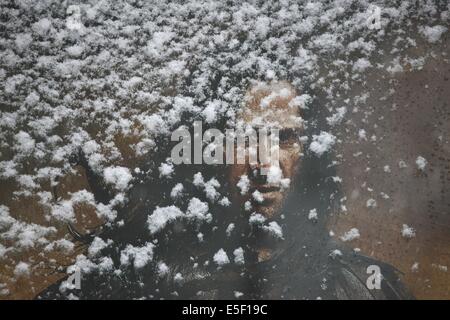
(269, 210)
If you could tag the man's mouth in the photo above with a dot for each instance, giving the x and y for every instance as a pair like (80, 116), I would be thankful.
(266, 188)
(269, 193)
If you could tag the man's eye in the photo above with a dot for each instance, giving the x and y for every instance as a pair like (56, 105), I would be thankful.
(287, 135)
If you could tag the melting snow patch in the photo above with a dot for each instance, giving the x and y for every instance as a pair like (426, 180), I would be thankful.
(24, 143)
(371, 203)
(97, 246)
(139, 255)
(165, 169)
(421, 163)
(239, 256)
(433, 34)
(225, 202)
(408, 232)
(440, 267)
(198, 210)
(258, 196)
(161, 216)
(210, 189)
(243, 184)
(361, 65)
(274, 229)
(312, 215)
(3, 251)
(198, 180)
(163, 269)
(350, 235)
(230, 229)
(322, 143)
(336, 253)
(178, 278)
(22, 269)
(362, 134)
(120, 177)
(221, 258)
(177, 191)
(274, 175)
(337, 117)
(256, 219)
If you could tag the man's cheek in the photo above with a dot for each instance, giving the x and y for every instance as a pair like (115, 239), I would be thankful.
(285, 161)
(236, 172)
(289, 161)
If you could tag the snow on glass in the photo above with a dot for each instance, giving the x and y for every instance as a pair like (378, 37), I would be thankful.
(78, 77)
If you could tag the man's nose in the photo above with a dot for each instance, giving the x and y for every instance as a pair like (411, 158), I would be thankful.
(260, 169)
(259, 165)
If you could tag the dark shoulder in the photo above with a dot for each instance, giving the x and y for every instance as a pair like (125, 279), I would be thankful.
(361, 277)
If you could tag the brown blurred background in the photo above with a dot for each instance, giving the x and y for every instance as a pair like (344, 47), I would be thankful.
(413, 121)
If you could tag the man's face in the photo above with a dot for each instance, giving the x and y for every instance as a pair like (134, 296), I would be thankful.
(270, 106)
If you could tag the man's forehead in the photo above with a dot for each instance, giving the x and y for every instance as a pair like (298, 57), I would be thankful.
(274, 95)
(282, 88)
(285, 122)
(271, 105)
